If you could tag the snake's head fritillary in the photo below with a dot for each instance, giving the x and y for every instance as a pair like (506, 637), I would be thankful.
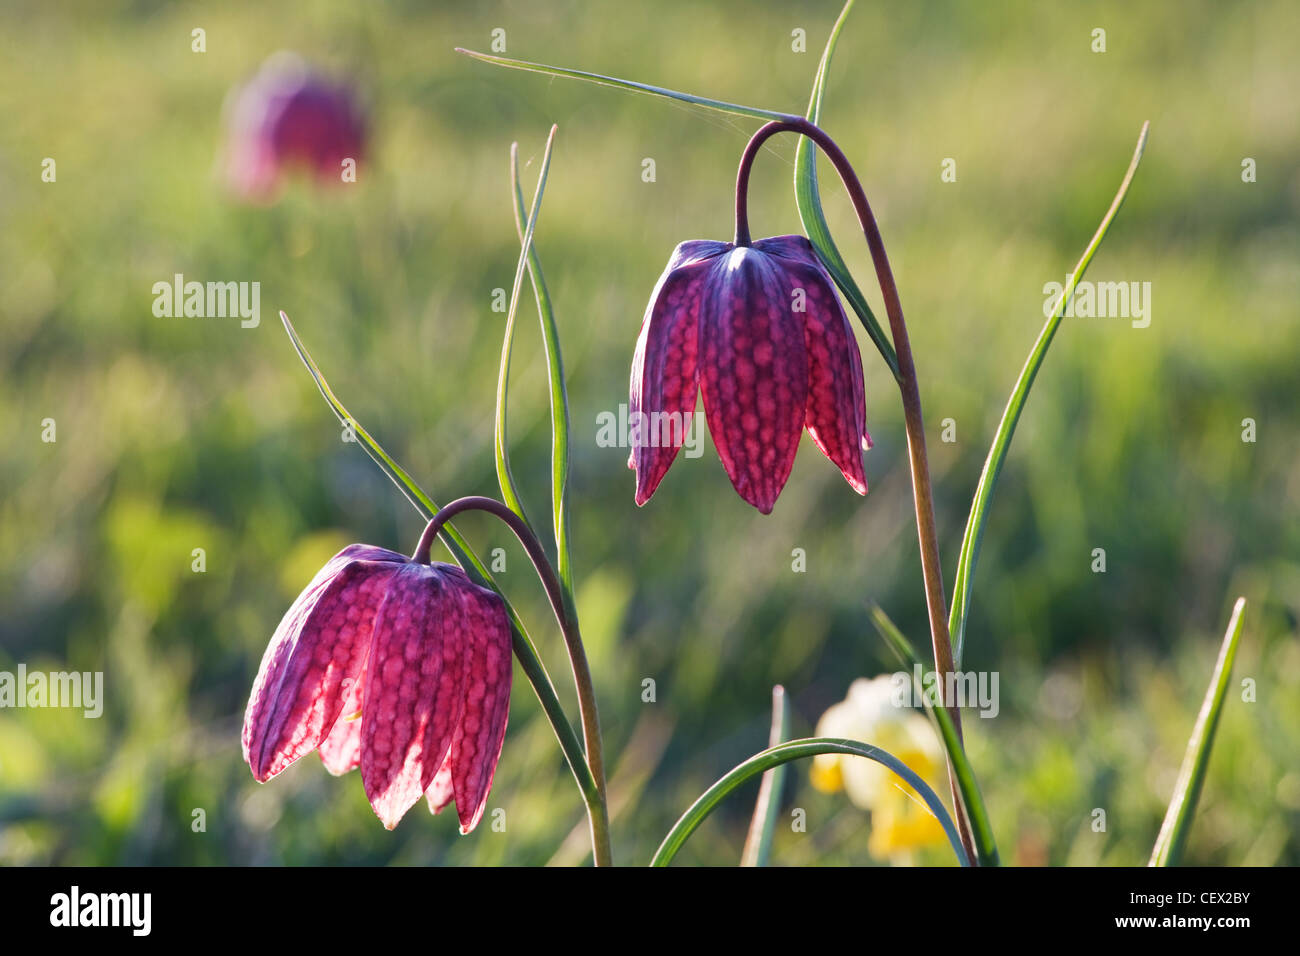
(288, 116)
(399, 667)
(759, 331)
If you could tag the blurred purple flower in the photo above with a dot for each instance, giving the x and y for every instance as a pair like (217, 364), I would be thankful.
(288, 116)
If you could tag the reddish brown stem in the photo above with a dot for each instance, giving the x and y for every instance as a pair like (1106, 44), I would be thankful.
(598, 812)
(922, 491)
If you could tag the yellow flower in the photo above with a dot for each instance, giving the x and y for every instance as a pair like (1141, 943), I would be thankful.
(875, 712)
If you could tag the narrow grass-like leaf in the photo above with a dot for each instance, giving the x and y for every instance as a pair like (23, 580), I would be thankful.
(986, 849)
(629, 85)
(782, 754)
(758, 844)
(808, 199)
(1168, 850)
(559, 482)
(464, 555)
(505, 477)
(559, 397)
(979, 510)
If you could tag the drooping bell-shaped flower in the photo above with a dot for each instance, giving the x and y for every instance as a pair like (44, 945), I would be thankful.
(396, 666)
(288, 116)
(757, 330)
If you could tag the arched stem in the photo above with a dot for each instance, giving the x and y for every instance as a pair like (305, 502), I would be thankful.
(597, 811)
(794, 750)
(922, 492)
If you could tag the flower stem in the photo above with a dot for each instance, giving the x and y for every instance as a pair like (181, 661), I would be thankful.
(594, 797)
(922, 491)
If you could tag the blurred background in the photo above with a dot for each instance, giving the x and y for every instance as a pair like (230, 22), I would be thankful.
(183, 433)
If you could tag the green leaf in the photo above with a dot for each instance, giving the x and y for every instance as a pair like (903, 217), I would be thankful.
(559, 397)
(1182, 807)
(782, 754)
(808, 199)
(559, 403)
(758, 844)
(805, 182)
(986, 849)
(464, 555)
(506, 478)
(405, 483)
(979, 510)
(630, 85)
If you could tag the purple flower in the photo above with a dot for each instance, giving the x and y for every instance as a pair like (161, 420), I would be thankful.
(395, 666)
(289, 117)
(759, 331)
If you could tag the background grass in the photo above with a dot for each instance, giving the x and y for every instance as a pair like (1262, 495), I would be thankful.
(175, 434)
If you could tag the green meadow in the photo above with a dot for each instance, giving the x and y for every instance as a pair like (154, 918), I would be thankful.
(168, 484)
